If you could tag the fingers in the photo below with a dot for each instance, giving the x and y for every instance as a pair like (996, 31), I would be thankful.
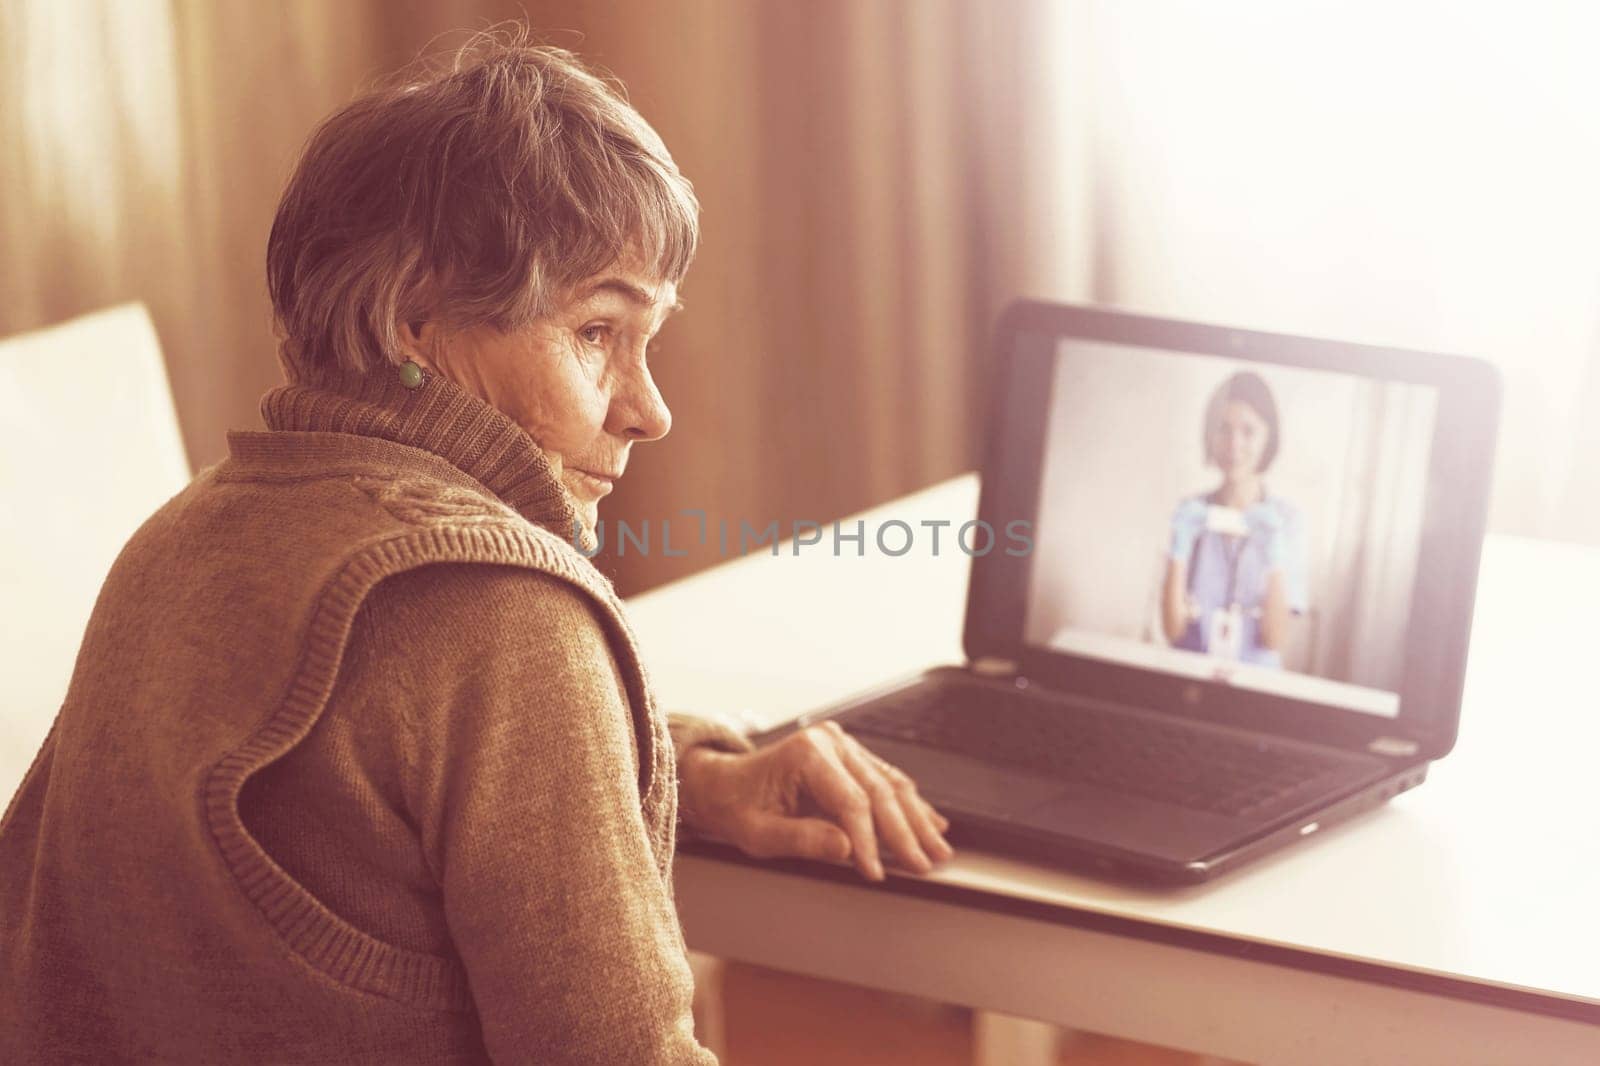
(839, 794)
(909, 825)
(927, 823)
(773, 835)
(902, 784)
(875, 805)
(886, 809)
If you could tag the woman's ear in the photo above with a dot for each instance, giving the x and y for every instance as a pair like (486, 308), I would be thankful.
(418, 336)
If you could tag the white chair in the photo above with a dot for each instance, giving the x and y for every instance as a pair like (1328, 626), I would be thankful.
(89, 448)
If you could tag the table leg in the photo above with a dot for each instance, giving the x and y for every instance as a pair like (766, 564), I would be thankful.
(1004, 1040)
(710, 1020)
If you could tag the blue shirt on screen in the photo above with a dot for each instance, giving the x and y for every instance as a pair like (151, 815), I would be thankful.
(1225, 569)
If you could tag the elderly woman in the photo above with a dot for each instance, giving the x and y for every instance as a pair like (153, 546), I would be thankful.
(359, 763)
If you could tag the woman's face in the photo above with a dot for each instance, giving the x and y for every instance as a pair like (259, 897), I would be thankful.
(1238, 440)
(576, 379)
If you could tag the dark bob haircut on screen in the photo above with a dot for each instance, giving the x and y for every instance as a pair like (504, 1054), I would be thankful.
(1248, 388)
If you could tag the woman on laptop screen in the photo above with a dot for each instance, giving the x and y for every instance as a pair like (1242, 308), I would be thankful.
(1236, 569)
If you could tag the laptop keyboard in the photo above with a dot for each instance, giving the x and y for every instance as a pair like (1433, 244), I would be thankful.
(1167, 761)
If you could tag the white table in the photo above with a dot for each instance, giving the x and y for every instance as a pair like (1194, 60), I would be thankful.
(1455, 926)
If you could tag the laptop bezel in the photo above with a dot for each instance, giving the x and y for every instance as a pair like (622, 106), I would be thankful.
(1456, 512)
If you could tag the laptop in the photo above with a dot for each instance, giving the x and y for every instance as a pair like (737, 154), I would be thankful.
(1227, 599)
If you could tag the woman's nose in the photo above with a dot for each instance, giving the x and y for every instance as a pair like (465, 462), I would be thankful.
(639, 412)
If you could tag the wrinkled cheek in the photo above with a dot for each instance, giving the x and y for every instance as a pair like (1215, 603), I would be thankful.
(561, 414)
(585, 419)
(556, 426)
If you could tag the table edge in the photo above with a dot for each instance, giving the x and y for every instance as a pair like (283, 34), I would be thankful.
(1551, 1004)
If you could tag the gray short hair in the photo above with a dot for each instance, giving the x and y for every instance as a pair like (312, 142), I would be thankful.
(473, 193)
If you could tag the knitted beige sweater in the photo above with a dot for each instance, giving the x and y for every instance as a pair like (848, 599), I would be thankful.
(358, 764)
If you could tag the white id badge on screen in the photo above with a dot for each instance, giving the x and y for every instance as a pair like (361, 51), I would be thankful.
(1228, 521)
(1225, 635)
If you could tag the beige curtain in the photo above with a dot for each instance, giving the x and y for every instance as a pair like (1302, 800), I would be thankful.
(144, 144)
(862, 168)
(855, 162)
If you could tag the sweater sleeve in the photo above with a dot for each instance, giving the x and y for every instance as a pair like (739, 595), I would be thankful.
(691, 731)
(524, 785)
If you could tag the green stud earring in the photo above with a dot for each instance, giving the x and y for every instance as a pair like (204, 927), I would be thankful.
(410, 374)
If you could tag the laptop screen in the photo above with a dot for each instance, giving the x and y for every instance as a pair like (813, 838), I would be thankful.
(1247, 523)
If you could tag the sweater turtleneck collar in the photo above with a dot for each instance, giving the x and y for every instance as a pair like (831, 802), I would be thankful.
(440, 417)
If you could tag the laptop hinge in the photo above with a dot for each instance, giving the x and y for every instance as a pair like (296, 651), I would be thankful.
(1392, 746)
(993, 666)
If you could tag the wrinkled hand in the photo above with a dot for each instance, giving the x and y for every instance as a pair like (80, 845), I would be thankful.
(816, 794)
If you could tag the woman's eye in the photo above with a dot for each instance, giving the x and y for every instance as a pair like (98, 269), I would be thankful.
(593, 334)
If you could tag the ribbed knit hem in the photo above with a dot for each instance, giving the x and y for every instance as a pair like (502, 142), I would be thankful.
(314, 932)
